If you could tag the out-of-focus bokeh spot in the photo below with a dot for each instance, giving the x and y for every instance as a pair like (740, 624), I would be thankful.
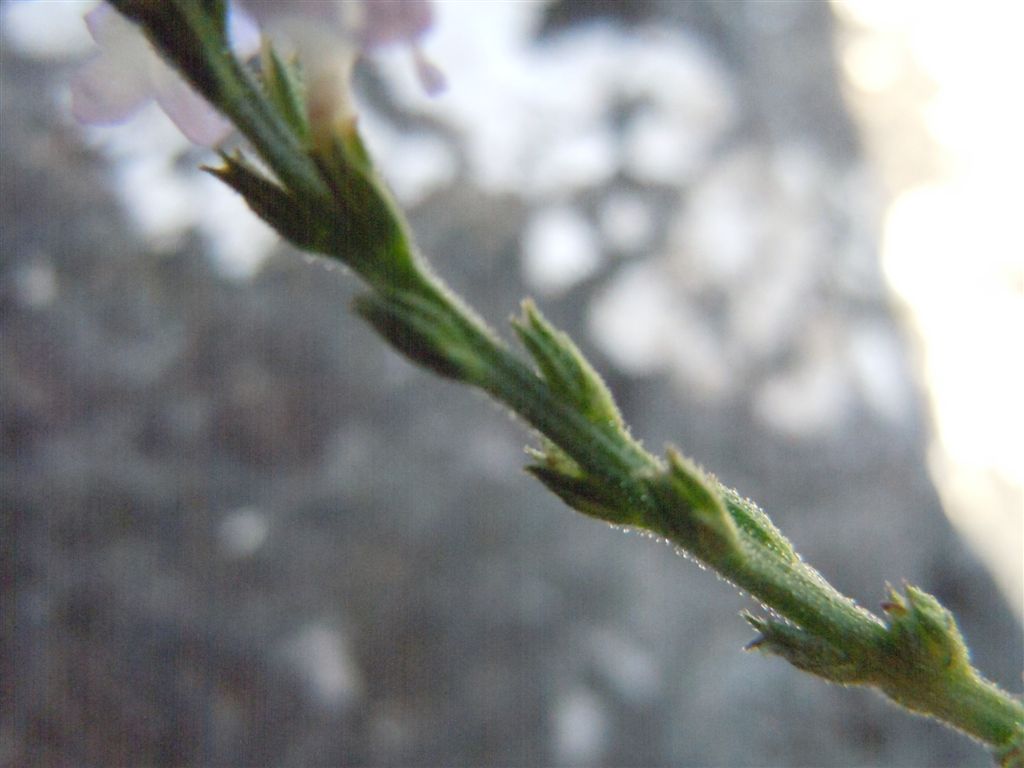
(936, 86)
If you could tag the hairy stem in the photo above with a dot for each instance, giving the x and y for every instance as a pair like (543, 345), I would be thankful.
(328, 199)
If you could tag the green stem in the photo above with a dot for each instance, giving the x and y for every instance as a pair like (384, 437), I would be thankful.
(980, 709)
(916, 657)
(791, 588)
(764, 569)
(787, 585)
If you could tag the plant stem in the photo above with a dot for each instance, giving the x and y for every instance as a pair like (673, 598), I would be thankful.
(786, 585)
(330, 201)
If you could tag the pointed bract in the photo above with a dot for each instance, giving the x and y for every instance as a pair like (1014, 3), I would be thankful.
(284, 90)
(803, 650)
(923, 632)
(586, 495)
(565, 369)
(268, 200)
(691, 506)
(752, 520)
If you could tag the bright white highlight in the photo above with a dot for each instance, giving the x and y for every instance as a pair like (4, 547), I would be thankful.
(953, 244)
(559, 250)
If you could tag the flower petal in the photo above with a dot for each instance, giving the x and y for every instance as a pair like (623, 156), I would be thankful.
(105, 91)
(99, 21)
(268, 11)
(193, 115)
(430, 75)
(394, 21)
(243, 32)
(110, 29)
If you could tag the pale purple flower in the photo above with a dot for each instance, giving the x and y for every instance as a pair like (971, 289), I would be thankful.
(127, 73)
(402, 21)
(314, 27)
(367, 23)
(326, 36)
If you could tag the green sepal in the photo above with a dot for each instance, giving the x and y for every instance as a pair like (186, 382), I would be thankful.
(344, 152)
(268, 200)
(694, 487)
(923, 634)
(803, 650)
(925, 666)
(284, 90)
(587, 495)
(553, 457)
(565, 369)
(361, 230)
(691, 512)
(425, 332)
(217, 9)
(752, 520)
(372, 245)
(366, 230)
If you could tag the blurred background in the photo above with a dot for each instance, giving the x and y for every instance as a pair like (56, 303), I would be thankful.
(238, 530)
